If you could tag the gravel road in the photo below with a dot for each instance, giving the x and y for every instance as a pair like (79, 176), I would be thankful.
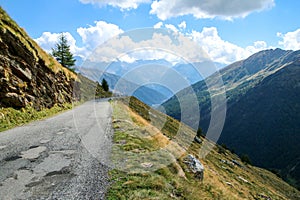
(63, 157)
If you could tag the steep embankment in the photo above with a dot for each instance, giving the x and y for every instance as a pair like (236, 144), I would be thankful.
(262, 110)
(33, 84)
(150, 150)
(28, 75)
(267, 118)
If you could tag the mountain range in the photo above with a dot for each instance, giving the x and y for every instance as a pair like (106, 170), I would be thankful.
(142, 76)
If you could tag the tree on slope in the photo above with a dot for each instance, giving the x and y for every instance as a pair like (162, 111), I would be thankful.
(63, 54)
(105, 85)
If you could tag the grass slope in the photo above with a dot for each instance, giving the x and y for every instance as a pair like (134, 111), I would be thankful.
(140, 131)
(10, 117)
(263, 112)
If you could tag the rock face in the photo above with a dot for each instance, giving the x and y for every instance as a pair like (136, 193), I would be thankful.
(28, 75)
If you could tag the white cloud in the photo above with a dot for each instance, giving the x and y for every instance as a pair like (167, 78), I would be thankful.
(98, 34)
(169, 47)
(223, 51)
(122, 4)
(159, 46)
(91, 36)
(258, 46)
(226, 9)
(158, 25)
(171, 27)
(290, 40)
(182, 25)
(48, 41)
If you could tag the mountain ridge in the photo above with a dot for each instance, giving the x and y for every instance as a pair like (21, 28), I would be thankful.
(245, 81)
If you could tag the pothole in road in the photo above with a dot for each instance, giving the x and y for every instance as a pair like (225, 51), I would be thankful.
(33, 147)
(54, 164)
(33, 153)
(46, 185)
(12, 158)
(64, 170)
(14, 187)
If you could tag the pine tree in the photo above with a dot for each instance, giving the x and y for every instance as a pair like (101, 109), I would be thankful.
(62, 53)
(245, 159)
(104, 85)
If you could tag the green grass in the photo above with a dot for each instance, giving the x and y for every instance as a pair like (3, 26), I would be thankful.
(10, 117)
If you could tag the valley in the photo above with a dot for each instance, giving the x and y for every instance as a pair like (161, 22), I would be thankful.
(131, 120)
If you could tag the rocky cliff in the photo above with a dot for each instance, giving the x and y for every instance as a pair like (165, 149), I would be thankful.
(28, 75)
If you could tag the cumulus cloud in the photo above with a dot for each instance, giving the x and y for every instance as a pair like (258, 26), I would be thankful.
(225, 9)
(158, 25)
(290, 40)
(170, 47)
(171, 27)
(182, 25)
(122, 4)
(91, 37)
(222, 51)
(96, 35)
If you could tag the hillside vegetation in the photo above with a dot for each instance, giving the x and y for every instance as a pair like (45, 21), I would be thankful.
(263, 96)
(140, 133)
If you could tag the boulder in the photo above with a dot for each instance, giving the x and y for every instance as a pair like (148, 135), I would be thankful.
(198, 140)
(236, 163)
(195, 166)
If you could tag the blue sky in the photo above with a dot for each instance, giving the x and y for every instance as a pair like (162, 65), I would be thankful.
(227, 31)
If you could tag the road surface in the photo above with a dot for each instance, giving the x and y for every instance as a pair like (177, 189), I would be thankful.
(63, 157)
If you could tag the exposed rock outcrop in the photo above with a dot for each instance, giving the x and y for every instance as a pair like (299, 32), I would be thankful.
(28, 75)
(195, 166)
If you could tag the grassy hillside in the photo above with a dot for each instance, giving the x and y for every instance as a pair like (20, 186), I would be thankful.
(140, 132)
(267, 119)
(262, 110)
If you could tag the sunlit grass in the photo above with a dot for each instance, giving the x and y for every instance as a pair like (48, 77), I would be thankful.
(10, 117)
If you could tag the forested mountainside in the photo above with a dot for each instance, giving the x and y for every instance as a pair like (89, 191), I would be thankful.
(263, 111)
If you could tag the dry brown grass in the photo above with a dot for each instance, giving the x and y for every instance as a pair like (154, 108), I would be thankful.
(174, 181)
